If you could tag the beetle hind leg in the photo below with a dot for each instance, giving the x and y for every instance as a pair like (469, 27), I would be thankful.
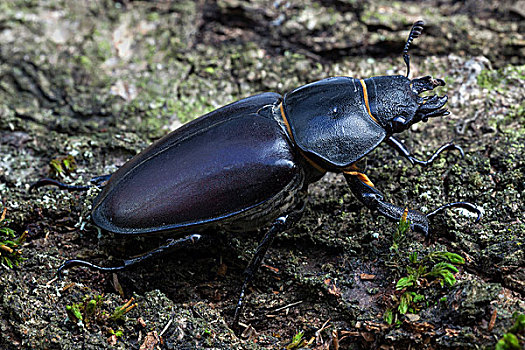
(96, 181)
(171, 245)
(405, 152)
(51, 182)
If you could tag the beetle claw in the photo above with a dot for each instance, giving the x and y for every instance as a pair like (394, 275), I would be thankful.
(458, 148)
(426, 83)
(446, 147)
(450, 146)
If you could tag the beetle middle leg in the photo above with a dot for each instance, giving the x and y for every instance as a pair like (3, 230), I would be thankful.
(396, 144)
(171, 245)
(279, 225)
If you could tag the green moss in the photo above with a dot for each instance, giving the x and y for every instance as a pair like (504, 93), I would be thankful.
(153, 16)
(63, 166)
(85, 61)
(87, 311)
(103, 48)
(420, 272)
(120, 311)
(514, 339)
(494, 79)
(10, 244)
(92, 310)
(297, 342)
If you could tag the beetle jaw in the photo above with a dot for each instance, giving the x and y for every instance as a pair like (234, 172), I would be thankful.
(428, 106)
(425, 84)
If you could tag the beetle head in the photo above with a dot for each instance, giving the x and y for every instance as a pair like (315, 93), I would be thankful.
(395, 102)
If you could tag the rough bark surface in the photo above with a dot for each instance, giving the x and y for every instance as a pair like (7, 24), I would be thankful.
(100, 80)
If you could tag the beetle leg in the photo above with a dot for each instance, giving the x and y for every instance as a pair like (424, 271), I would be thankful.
(171, 245)
(280, 224)
(373, 199)
(51, 182)
(99, 180)
(396, 144)
(465, 205)
(96, 181)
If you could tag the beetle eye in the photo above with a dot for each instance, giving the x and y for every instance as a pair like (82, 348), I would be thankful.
(398, 124)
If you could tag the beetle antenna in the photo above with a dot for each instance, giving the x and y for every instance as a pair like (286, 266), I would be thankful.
(415, 32)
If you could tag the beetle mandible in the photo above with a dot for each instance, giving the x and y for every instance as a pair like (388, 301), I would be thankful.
(249, 163)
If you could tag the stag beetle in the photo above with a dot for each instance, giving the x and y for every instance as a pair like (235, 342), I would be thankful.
(249, 163)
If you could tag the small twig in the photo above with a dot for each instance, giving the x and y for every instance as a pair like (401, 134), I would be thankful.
(243, 324)
(166, 327)
(52, 280)
(318, 332)
(287, 306)
(335, 339)
(492, 320)
(323, 327)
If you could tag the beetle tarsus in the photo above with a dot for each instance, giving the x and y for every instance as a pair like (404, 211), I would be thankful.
(66, 265)
(465, 205)
(171, 245)
(99, 180)
(396, 144)
(447, 146)
(278, 226)
(96, 181)
(51, 182)
(373, 199)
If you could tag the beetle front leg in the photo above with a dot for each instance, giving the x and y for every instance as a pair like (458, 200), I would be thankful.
(365, 191)
(396, 144)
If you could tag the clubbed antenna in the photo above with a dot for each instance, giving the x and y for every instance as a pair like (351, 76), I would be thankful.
(415, 32)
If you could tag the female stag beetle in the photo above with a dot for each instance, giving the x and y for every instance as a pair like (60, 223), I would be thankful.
(249, 163)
